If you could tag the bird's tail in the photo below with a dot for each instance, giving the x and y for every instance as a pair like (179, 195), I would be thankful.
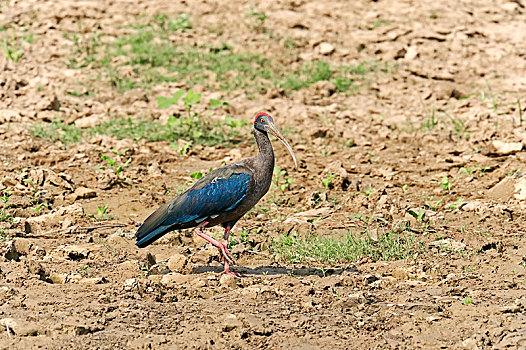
(154, 227)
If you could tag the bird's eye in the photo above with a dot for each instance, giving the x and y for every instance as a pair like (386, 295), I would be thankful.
(262, 120)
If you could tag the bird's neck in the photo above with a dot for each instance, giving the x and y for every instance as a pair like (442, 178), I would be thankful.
(266, 153)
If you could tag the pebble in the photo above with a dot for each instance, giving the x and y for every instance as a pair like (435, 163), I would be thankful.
(326, 48)
(231, 322)
(18, 327)
(177, 263)
(228, 281)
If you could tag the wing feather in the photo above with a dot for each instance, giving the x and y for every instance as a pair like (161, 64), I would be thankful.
(216, 193)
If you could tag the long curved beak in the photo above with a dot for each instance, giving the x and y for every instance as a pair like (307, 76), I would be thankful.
(271, 128)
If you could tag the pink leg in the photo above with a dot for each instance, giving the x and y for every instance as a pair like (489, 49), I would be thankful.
(227, 256)
(227, 271)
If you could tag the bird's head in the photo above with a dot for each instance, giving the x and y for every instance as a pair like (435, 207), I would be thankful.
(264, 122)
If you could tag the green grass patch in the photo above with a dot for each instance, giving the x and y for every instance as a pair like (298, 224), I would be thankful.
(190, 128)
(194, 129)
(57, 131)
(352, 247)
(152, 54)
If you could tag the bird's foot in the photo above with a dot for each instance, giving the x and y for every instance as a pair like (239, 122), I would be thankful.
(227, 271)
(232, 273)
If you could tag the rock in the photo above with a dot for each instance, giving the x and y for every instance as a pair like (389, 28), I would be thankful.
(368, 279)
(11, 253)
(256, 325)
(92, 280)
(158, 270)
(9, 115)
(73, 209)
(468, 344)
(107, 179)
(131, 96)
(57, 278)
(448, 244)
(502, 191)
(504, 148)
(432, 319)
(326, 48)
(510, 309)
(82, 193)
(520, 189)
(174, 279)
(61, 180)
(75, 252)
(307, 304)
(198, 283)
(22, 245)
(177, 263)
(87, 122)
(48, 104)
(471, 206)
(228, 281)
(231, 322)
(411, 53)
(400, 274)
(18, 327)
(130, 284)
(205, 256)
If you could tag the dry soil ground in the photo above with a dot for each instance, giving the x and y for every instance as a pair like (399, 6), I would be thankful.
(406, 118)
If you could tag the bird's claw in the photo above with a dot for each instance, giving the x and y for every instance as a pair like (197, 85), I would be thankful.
(232, 273)
(227, 255)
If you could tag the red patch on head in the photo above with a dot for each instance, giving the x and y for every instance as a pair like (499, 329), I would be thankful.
(259, 115)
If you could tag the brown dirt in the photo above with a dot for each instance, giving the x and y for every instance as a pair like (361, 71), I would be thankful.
(69, 281)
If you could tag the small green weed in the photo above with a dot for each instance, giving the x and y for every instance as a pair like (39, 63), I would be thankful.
(281, 180)
(367, 191)
(197, 175)
(434, 205)
(455, 205)
(446, 183)
(327, 181)
(430, 122)
(102, 213)
(102, 210)
(113, 163)
(475, 169)
(325, 153)
(12, 48)
(418, 216)
(260, 18)
(180, 23)
(36, 209)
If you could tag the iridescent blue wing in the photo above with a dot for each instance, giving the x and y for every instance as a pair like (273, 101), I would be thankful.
(218, 192)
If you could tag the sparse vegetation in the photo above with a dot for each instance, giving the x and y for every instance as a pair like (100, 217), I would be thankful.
(351, 247)
(154, 60)
(116, 164)
(281, 180)
(12, 47)
(327, 181)
(57, 131)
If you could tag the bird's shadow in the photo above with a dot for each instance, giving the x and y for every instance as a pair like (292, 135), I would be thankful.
(277, 270)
